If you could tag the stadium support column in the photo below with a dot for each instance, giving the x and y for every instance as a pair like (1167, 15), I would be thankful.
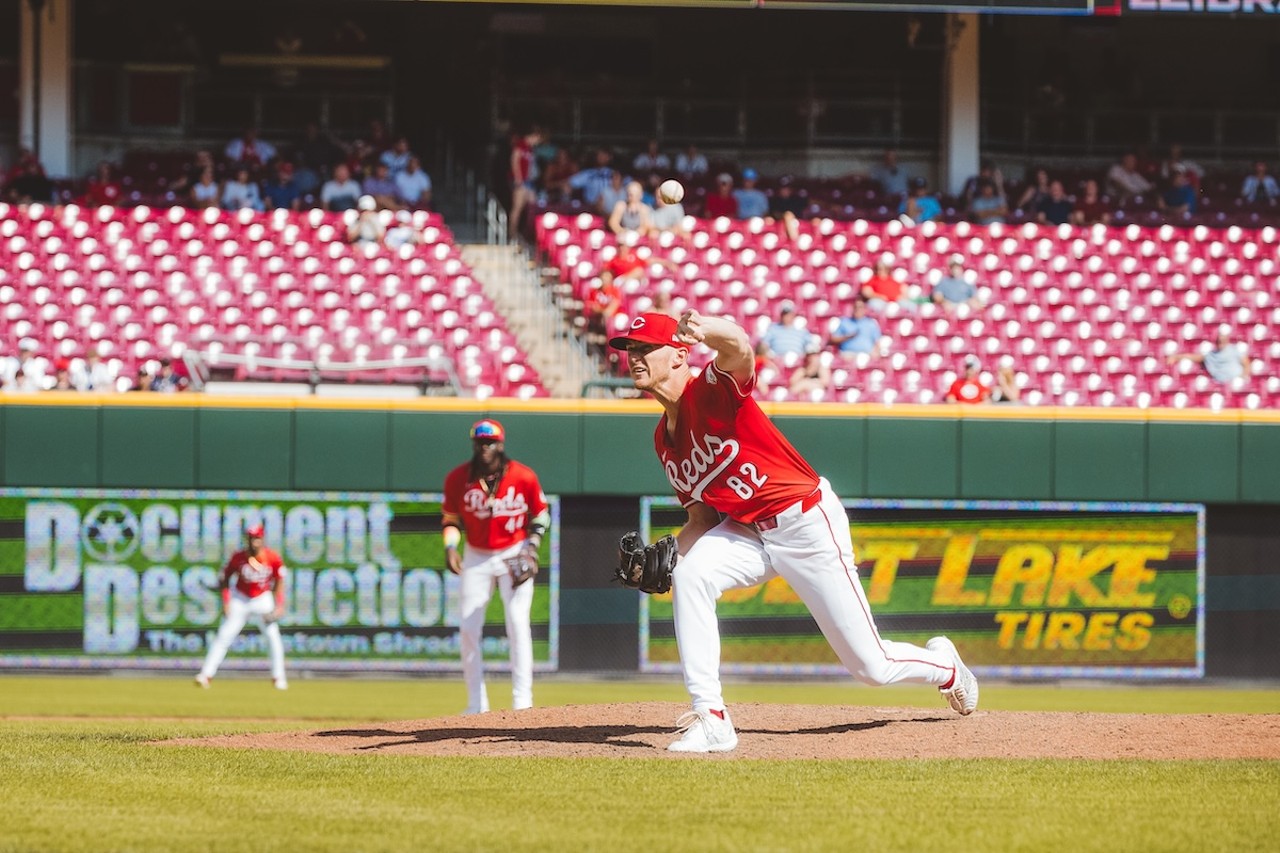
(960, 104)
(44, 83)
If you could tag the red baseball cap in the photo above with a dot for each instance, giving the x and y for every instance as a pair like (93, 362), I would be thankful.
(650, 328)
(255, 532)
(488, 430)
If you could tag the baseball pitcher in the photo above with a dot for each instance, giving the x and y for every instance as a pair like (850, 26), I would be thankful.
(253, 585)
(500, 505)
(756, 510)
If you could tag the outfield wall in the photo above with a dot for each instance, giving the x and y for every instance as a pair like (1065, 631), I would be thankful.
(597, 456)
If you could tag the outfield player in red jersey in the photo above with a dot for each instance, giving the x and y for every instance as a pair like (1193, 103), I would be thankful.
(252, 586)
(500, 505)
(756, 511)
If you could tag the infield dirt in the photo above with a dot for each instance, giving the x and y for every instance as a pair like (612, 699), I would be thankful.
(642, 730)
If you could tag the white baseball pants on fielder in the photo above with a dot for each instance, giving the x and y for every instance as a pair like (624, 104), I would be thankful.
(480, 568)
(239, 610)
(813, 552)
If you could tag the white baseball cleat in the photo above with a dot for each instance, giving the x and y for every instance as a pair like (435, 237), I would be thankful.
(962, 695)
(704, 732)
(202, 680)
(280, 684)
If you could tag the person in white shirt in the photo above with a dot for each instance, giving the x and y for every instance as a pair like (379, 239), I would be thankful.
(414, 185)
(250, 150)
(92, 374)
(241, 192)
(397, 157)
(691, 163)
(1260, 186)
(652, 159)
(1124, 179)
(341, 192)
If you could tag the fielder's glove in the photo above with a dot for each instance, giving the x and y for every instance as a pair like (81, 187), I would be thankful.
(646, 567)
(523, 566)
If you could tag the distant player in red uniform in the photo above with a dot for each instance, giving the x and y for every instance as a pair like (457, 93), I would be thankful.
(252, 585)
(756, 511)
(500, 505)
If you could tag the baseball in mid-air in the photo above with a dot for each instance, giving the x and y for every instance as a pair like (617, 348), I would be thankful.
(671, 191)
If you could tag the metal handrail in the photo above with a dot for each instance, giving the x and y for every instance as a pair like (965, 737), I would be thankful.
(314, 368)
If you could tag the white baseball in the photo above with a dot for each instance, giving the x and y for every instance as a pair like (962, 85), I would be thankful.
(671, 191)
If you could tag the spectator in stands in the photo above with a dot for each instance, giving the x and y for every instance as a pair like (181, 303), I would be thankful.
(691, 163)
(379, 138)
(1179, 198)
(811, 376)
(280, 191)
(1007, 389)
(1091, 209)
(969, 388)
(93, 374)
(317, 153)
(891, 177)
(1224, 360)
(402, 232)
(786, 337)
(721, 202)
(921, 205)
(954, 289)
(1260, 186)
(25, 371)
(367, 227)
(631, 215)
(662, 304)
(1056, 208)
(382, 187)
(624, 265)
(25, 162)
(340, 192)
(592, 182)
(766, 368)
(987, 173)
(1036, 192)
(883, 287)
(601, 306)
(988, 207)
(1124, 180)
(614, 192)
(556, 177)
(102, 190)
(249, 151)
(397, 157)
(28, 183)
(62, 376)
(858, 332)
(142, 379)
(546, 149)
(651, 160)
(359, 158)
(205, 192)
(1175, 162)
(413, 186)
(167, 380)
(241, 192)
(786, 207)
(668, 217)
(191, 173)
(751, 201)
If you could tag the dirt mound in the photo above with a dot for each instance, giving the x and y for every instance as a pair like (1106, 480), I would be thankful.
(642, 730)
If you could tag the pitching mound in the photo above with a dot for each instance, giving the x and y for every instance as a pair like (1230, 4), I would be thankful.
(642, 730)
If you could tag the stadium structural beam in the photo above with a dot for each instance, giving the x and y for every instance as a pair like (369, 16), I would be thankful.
(961, 121)
(45, 83)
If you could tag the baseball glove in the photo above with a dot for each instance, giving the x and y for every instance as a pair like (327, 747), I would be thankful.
(523, 566)
(646, 567)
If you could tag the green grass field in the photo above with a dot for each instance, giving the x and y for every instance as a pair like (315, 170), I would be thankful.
(77, 773)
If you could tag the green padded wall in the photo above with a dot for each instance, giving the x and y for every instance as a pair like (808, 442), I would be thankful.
(1260, 462)
(618, 456)
(244, 448)
(912, 458)
(148, 448)
(425, 446)
(51, 446)
(1008, 460)
(341, 449)
(550, 444)
(1100, 460)
(1198, 464)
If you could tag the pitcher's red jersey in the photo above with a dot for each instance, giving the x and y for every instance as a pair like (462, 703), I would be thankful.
(728, 454)
(498, 520)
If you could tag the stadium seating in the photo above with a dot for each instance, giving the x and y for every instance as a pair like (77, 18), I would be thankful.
(143, 283)
(1087, 316)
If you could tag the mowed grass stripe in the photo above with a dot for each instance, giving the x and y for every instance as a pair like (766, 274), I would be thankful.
(77, 787)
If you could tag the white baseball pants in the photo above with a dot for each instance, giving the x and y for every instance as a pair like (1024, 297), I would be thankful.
(813, 552)
(239, 610)
(480, 569)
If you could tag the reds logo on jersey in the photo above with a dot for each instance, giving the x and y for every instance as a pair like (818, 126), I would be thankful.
(253, 572)
(510, 505)
(704, 463)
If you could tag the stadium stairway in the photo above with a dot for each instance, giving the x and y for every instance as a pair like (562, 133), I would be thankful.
(508, 277)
